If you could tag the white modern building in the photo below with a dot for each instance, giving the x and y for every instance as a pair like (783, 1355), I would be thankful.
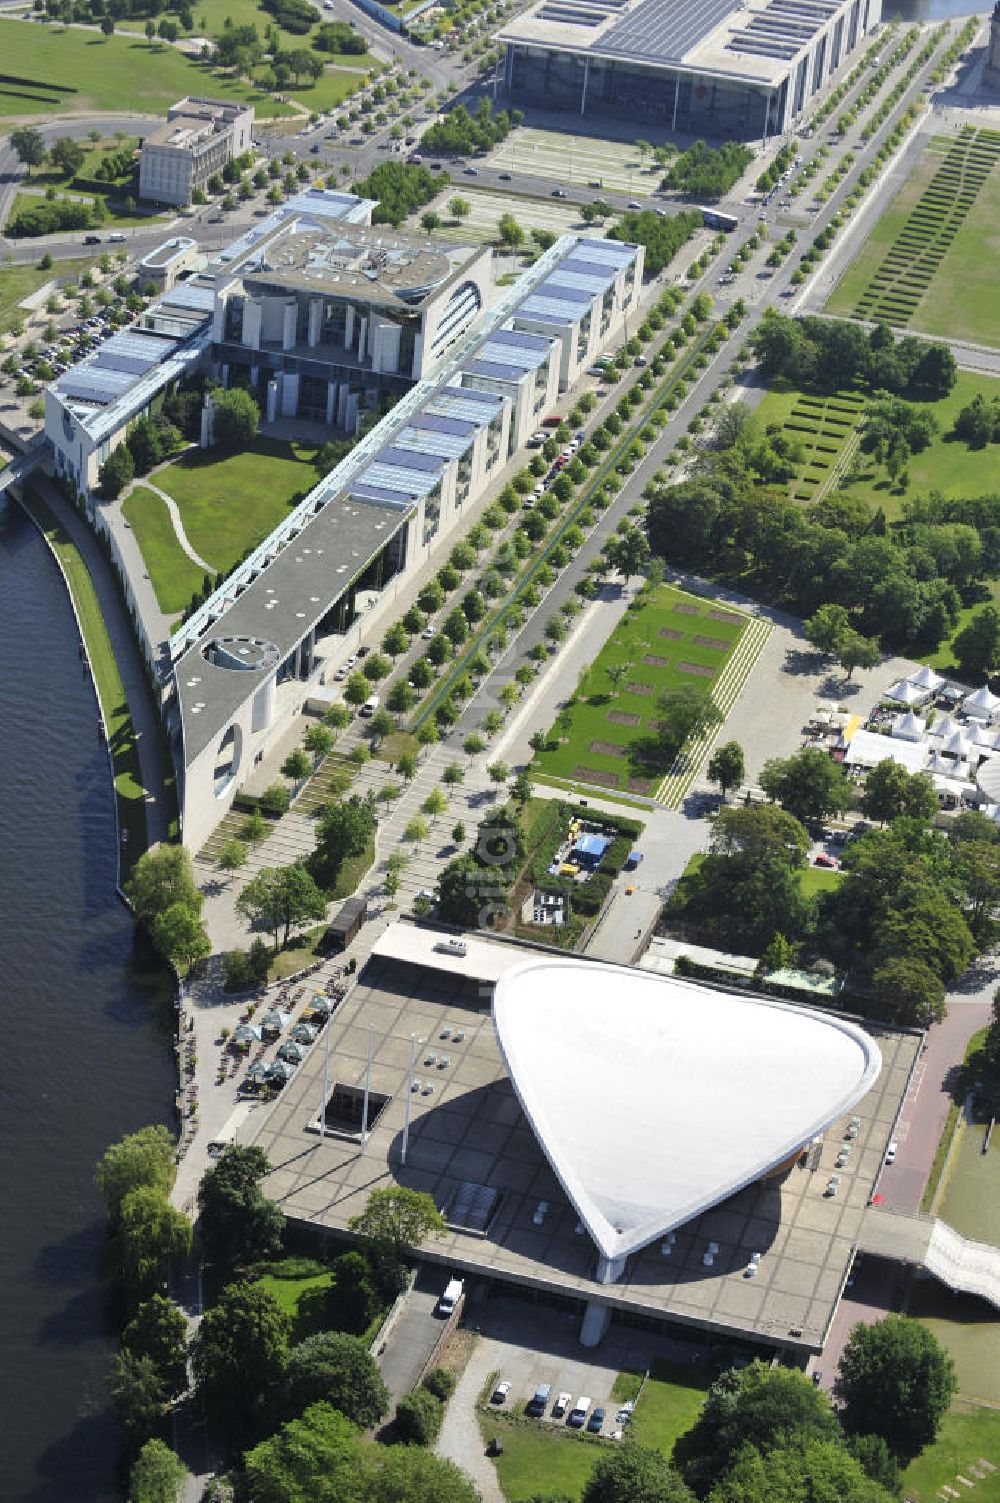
(722, 68)
(199, 137)
(621, 1145)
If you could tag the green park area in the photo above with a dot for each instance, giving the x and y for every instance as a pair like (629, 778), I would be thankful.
(174, 577)
(115, 193)
(606, 735)
(968, 1438)
(19, 282)
(115, 211)
(948, 465)
(544, 1459)
(929, 263)
(228, 504)
(50, 70)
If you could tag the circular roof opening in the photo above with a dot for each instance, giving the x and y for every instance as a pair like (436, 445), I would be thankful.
(251, 653)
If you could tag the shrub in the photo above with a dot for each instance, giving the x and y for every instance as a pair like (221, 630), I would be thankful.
(418, 1417)
(440, 1382)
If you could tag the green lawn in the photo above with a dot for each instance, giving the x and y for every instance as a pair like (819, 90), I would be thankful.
(667, 629)
(817, 879)
(231, 503)
(211, 16)
(172, 574)
(820, 423)
(546, 1458)
(114, 212)
(541, 1458)
(54, 70)
(953, 289)
(129, 791)
(298, 1286)
(967, 1434)
(18, 282)
(971, 1202)
(327, 92)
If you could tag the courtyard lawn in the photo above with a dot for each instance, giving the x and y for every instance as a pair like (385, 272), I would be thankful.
(929, 263)
(968, 1435)
(816, 879)
(57, 70)
(230, 503)
(671, 641)
(172, 574)
(541, 1459)
(298, 1285)
(19, 282)
(671, 1401)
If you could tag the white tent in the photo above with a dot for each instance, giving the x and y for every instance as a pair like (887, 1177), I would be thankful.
(925, 678)
(945, 727)
(957, 745)
(908, 727)
(904, 693)
(868, 748)
(982, 705)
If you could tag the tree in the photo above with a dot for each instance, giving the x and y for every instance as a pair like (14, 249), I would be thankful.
(977, 645)
(158, 1475)
(337, 1369)
(116, 472)
(416, 830)
(296, 765)
(143, 1158)
(239, 1355)
(406, 766)
(498, 772)
(511, 233)
(29, 146)
(891, 791)
(430, 221)
(410, 1474)
(856, 651)
(825, 628)
(627, 552)
(684, 713)
(635, 1474)
(150, 29)
(459, 207)
(158, 1331)
(139, 1398)
(815, 1471)
(254, 828)
(310, 1460)
(761, 1406)
(727, 766)
(396, 1220)
(342, 830)
(453, 774)
(107, 27)
(66, 155)
(238, 1223)
(281, 899)
(236, 418)
(179, 934)
(418, 1417)
(318, 741)
(150, 1233)
(435, 803)
(977, 865)
(895, 1380)
(808, 784)
(163, 875)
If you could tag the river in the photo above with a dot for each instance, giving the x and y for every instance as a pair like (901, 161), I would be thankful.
(86, 1042)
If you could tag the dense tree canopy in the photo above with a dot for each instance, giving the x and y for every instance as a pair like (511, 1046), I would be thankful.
(281, 899)
(815, 1471)
(895, 1380)
(703, 172)
(142, 1158)
(338, 1370)
(157, 1476)
(760, 1406)
(635, 1474)
(236, 418)
(662, 237)
(400, 188)
(809, 784)
(158, 1330)
(239, 1356)
(238, 1223)
(343, 829)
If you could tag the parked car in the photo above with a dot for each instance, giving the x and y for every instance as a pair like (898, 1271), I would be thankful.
(499, 1395)
(596, 1421)
(824, 860)
(471, 171)
(539, 1401)
(577, 1416)
(560, 1405)
(890, 1152)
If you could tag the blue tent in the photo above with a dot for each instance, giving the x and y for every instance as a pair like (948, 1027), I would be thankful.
(590, 848)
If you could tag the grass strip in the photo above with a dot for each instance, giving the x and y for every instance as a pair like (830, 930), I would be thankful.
(129, 791)
(628, 435)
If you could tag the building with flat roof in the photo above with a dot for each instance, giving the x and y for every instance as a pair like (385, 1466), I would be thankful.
(722, 68)
(317, 317)
(666, 1162)
(166, 263)
(197, 140)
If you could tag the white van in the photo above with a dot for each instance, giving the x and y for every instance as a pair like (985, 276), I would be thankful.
(450, 1297)
(370, 706)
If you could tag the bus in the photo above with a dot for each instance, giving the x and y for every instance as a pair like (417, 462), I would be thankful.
(714, 220)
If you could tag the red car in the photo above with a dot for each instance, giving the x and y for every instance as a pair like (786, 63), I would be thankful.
(552, 422)
(824, 860)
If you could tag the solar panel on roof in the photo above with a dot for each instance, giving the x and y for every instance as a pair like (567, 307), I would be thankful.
(184, 295)
(409, 459)
(664, 30)
(109, 360)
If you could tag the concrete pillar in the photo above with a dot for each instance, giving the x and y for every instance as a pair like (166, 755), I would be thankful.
(272, 399)
(206, 435)
(362, 338)
(331, 400)
(262, 712)
(349, 326)
(610, 1270)
(289, 393)
(288, 325)
(596, 1319)
(315, 322)
(677, 96)
(583, 91)
(252, 315)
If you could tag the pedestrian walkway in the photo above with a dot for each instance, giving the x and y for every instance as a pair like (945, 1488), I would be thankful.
(178, 525)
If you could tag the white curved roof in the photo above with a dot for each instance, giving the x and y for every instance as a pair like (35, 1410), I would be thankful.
(655, 1098)
(988, 778)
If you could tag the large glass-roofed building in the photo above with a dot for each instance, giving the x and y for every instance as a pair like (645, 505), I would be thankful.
(740, 69)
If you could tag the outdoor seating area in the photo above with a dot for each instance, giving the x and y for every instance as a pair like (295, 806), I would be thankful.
(281, 1041)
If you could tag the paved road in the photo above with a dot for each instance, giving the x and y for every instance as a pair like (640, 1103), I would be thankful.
(414, 1336)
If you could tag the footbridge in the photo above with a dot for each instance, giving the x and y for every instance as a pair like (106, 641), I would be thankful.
(21, 466)
(930, 1243)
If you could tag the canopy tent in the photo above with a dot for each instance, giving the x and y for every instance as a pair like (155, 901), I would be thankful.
(304, 1033)
(280, 1072)
(957, 745)
(868, 748)
(925, 678)
(982, 705)
(905, 693)
(908, 727)
(292, 1052)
